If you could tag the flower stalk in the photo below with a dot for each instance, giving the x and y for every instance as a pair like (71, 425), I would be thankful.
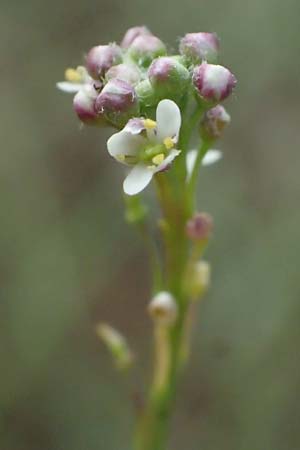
(159, 104)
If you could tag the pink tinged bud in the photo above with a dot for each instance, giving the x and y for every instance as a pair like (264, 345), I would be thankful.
(214, 122)
(213, 82)
(145, 48)
(100, 58)
(125, 72)
(198, 47)
(132, 34)
(118, 101)
(84, 105)
(169, 77)
(199, 227)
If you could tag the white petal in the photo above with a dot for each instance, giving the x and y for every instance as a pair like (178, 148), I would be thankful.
(211, 157)
(190, 161)
(168, 120)
(172, 155)
(138, 178)
(66, 86)
(124, 143)
(135, 126)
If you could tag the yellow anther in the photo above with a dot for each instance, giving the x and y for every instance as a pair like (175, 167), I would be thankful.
(158, 159)
(169, 143)
(73, 75)
(120, 158)
(149, 124)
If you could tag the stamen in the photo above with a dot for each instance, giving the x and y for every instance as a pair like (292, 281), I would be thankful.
(158, 159)
(168, 143)
(149, 124)
(73, 75)
(120, 158)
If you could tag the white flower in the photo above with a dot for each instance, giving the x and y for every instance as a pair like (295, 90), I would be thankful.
(147, 145)
(211, 157)
(75, 80)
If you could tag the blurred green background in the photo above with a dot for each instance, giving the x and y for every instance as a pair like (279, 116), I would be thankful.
(68, 259)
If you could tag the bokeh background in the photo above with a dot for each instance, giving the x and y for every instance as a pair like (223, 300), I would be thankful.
(69, 260)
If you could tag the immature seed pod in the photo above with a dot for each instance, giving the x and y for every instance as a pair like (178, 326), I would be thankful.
(101, 57)
(199, 279)
(198, 47)
(116, 344)
(213, 82)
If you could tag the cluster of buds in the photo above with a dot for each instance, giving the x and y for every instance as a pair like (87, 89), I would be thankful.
(119, 82)
(140, 89)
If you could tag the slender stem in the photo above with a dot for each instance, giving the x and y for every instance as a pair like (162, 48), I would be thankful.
(192, 184)
(175, 200)
(153, 427)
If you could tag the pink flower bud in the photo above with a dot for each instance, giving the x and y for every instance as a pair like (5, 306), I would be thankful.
(145, 48)
(100, 58)
(168, 77)
(199, 227)
(198, 47)
(118, 101)
(84, 105)
(133, 33)
(125, 72)
(214, 122)
(213, 82)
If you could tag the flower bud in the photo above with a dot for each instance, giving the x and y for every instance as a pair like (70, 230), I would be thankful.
(132, 34)
(198, 279)
(214, 122)
(100, 58)
(199, 227)
(84, 105)
(116, 344)
(169, 78)
(125, 72)
(118, 102)
(146, 95)
(163, 308)
(145, 48)
(213, 82)
(198, 47)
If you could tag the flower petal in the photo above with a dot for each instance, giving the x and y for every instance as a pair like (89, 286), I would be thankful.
(124, 143)
(211, 157)
(67, 86)
(190, 161)
(167, 161)
(135, 126)
(138, 178)
(168, 120)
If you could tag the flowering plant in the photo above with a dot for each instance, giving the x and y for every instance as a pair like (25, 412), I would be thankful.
(158, 103)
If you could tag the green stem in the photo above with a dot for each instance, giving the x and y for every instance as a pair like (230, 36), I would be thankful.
(176, 201)
(192, 184)
(153, 427)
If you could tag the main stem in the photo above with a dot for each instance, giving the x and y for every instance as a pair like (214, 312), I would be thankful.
(152, 431)
(153, 427)
(177, 205)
